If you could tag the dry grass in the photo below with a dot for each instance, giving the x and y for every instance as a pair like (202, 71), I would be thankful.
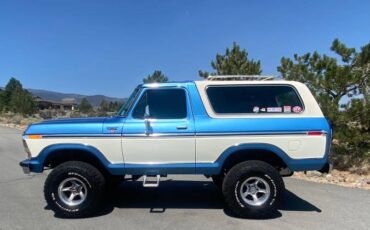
(17, 120)
(343, 178)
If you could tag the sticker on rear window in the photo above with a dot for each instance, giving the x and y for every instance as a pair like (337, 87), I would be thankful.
(256, 109)
(274, 109)
(297, 109)
(287, 109)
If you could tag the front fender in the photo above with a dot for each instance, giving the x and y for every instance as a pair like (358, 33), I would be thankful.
(37, 164)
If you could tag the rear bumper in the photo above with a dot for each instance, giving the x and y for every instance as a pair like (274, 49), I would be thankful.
(326, 168)
(313, 164)
(31, 165)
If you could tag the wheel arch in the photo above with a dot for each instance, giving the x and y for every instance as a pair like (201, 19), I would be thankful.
(268, 153)
(53, 155)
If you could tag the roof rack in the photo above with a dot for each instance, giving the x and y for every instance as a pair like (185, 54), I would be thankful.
(239, 78)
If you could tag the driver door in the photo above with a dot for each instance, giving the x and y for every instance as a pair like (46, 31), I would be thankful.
(158, 135)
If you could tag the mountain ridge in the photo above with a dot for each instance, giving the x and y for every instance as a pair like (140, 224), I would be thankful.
(95, 100)
(58, 96)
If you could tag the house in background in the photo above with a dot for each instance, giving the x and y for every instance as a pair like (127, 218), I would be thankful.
(66, 104)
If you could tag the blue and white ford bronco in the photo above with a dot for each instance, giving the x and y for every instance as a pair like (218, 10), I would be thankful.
(246, 135)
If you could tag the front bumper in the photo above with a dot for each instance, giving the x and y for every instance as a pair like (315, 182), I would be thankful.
(31, 165)
(25, 167)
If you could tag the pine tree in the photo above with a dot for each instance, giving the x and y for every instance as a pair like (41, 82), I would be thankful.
(8, 91)
(21, 101)
(85, 106)
(2, 103)
(16, 99)
(342, 90)
(104, 106)
(115, 106)
(156, 76)
(234, 62)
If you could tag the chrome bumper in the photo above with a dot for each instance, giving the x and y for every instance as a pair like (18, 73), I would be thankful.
(25, 167)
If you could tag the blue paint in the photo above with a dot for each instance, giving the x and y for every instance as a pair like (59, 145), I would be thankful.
(155, 169)
(33, 164)
(78, 126)
(67, 126)
(209, 125)
(196, 101)
(113, 125)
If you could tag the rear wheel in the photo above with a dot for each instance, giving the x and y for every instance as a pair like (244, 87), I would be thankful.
(74, 189)
(253, 189)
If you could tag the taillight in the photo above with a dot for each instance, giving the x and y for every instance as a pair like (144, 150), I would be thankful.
(316, 133)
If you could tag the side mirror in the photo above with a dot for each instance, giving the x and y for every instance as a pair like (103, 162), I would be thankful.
(147, 112)
(146, 120)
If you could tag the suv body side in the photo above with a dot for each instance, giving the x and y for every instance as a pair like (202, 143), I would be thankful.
(198, 143)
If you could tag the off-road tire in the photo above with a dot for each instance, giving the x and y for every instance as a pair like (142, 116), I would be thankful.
(249, 169)
(88, 174)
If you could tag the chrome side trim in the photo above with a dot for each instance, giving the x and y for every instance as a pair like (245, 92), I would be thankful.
(221, 134)
(79, 135)
(203, 134)
(252, 133)
(159, 135)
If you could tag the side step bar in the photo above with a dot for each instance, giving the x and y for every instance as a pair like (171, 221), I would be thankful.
(151, 183)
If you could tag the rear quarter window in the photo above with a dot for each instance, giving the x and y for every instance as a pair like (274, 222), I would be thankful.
(254, 99)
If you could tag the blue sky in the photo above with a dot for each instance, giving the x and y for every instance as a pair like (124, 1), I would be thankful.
(107, 47)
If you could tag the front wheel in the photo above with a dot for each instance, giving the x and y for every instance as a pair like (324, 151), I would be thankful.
(253, 189)
(73, 189)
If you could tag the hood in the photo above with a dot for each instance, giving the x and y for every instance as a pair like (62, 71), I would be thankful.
(93, 125)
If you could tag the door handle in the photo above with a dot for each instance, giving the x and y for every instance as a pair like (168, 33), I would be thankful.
(181, 127)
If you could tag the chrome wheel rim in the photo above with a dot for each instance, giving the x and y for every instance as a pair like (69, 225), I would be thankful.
(72, 191)
(255, 191)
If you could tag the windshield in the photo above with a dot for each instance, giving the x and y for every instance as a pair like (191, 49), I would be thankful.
(126, 106)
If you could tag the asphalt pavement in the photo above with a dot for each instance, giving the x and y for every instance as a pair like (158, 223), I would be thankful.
(180, 202)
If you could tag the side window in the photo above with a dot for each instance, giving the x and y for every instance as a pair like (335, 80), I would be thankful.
(254, 99)
(163, 104)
